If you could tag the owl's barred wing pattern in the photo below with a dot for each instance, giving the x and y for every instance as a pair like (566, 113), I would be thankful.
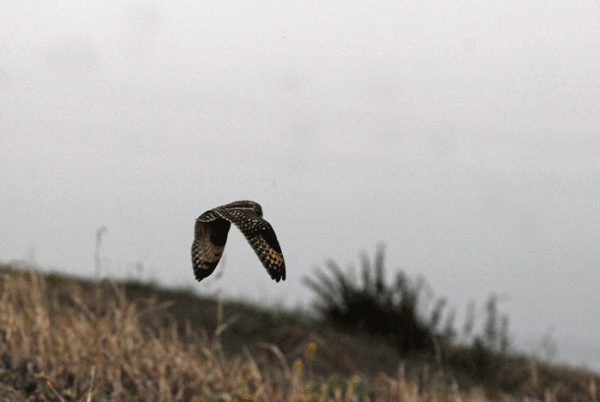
(209, 242)
(213, 226)
(261, 236)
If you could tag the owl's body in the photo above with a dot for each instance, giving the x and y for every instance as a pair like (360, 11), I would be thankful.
(212, 228)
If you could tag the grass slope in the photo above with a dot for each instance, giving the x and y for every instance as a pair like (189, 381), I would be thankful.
(67, 339)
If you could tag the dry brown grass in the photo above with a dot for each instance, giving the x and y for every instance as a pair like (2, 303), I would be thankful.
(62, 343)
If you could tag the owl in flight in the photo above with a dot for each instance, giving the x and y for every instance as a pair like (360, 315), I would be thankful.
(211, 232)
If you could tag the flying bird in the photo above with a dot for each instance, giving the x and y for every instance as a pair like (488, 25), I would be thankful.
(212, 228)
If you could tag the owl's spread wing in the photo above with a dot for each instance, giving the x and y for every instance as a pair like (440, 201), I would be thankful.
(209, 242)
(261, 236)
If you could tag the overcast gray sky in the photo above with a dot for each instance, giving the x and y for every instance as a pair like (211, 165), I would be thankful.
(465, 136)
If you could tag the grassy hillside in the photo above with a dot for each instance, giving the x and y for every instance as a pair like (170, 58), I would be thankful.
(67, 339)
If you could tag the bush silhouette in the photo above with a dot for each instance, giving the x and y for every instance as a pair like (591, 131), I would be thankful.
(374, 307)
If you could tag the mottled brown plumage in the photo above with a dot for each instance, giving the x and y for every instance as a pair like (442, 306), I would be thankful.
(212, 228)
